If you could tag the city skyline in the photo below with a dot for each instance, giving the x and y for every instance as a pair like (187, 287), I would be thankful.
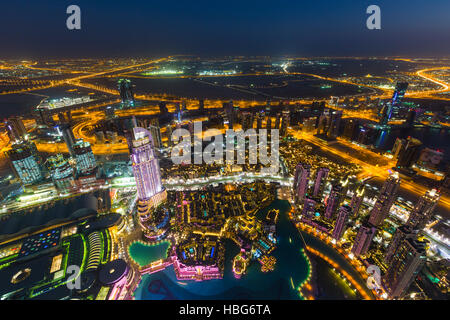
(246, 151)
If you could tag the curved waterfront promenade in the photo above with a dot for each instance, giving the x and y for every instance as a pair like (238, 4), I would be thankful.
(320, 245)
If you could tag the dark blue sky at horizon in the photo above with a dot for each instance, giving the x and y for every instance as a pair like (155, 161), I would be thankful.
(31, 28)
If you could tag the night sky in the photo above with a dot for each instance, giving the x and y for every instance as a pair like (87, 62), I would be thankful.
(37, 28)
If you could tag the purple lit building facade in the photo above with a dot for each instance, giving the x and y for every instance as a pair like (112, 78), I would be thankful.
(421, 214)
(321, 179)
(148, 182)
(334, 200)
(357, 199)
(363, 239)
(145, 165)
(385, 200)
(401, 233)
(341, 222)
(301, 179)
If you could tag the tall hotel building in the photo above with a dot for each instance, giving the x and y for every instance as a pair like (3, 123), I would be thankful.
(147, 175)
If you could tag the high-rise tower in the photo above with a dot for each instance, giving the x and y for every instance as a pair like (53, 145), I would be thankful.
(423, 210)
(285, 120)
(301, 179)
(25, 161)
(409, 153)
(341, 222)
(15, 129)
(66, 132)
(363, 239)
(62, 172)
(401, 234)
(126, 92)
(321, 179)
(406, 264)
(334, 200)
(85, 158)
(357, 199)
(385, 200)
(150, 191)
(399, 93)
(145, 165)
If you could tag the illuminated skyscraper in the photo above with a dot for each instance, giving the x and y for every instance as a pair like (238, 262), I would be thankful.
(401, 233)
(324, 122)
(385, 200)
(309, 124)
(357, 199)
(178, 112)
(399, 93)
(335, 122)
(15, 129)
(391, 184)
(156, 135)
(409, 154)
(321, 180)
(421, 214)
(363, 239)
(285, 120)
(384, 114)
(126, 92)
(150, 191)
(404, 267)
(399, 147)
(62, 172)
(301, 178)
(25, 161)
(66, 132)
(85, 158)
(334, 200)
(341, 222)
(145, 165)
